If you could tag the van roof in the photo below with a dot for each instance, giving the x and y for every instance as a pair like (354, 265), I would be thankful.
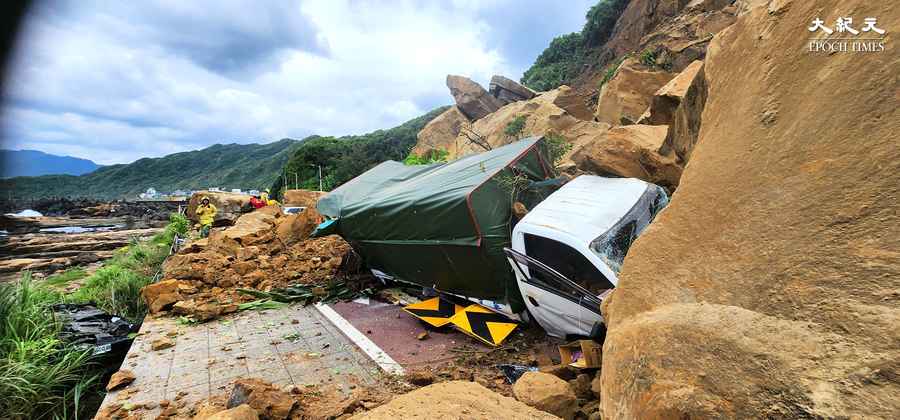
(585, 207)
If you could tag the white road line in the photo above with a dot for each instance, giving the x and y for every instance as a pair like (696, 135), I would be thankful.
(382, 359)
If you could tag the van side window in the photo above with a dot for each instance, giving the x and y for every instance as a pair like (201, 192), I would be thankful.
(568, 262)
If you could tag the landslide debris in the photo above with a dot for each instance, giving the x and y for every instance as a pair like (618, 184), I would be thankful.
(768, 286)
(454, 399)
(263, 250)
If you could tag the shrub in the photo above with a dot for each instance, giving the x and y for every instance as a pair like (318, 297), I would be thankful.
(558, 63)
(515, 127)
(648, 58)
(611, 70)
(432, 156)
(600, 21)
(561, 61)
(557, 147)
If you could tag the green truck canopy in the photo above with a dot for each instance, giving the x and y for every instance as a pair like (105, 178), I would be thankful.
(441, 225)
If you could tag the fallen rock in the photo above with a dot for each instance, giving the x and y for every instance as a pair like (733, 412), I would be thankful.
(596, 386)
(121, 378)
(630, 151)
(573, 103)
(667, 98)
(302, 198)
(581, 385)
(471, 99)
(270, 401)
(441, 133)
(241, 412)
(768, 286)
(453, 399)
(626, 96)
(420, 377)
(162, 294)
(161, 343)
(546, 393)
(685, 125)
(542, 117)
(507, 90)
(229, 206)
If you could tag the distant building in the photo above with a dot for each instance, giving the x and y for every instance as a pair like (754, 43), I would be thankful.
(150, 193)
(236, 190)
(253, 192)
(214, 189)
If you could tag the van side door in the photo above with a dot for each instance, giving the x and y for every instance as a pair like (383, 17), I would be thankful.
(558, 304)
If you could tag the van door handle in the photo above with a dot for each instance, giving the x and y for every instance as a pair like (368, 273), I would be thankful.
(533, 301)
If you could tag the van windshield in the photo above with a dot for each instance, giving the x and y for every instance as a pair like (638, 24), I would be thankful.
(612, 246)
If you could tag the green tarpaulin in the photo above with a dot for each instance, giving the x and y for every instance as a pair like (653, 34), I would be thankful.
(441, 225)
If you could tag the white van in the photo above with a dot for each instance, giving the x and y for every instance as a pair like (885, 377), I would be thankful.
(567, 251)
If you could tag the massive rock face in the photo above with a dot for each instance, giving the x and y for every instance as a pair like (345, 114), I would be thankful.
(507, 90)
(471, 99)
(441, 132)
(626, 96)
(768, 288)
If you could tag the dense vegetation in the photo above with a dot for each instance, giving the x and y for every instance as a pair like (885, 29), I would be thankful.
(42, 377)
(560, 62)
(343, 158)
(244, 166)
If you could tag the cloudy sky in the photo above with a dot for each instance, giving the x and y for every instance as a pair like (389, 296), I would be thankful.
(117, 81)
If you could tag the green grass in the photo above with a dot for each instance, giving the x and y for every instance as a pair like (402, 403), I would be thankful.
(40, 376)
(66, 277)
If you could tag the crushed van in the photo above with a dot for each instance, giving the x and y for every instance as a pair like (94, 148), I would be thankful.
(449, 226)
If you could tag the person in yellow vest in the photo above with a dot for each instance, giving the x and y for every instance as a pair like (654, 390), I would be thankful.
(265, 198)
(206, 212)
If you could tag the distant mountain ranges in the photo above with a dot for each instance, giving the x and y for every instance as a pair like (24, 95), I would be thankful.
(221, 165)
(35, 163)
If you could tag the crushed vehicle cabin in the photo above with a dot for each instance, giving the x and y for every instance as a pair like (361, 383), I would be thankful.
(451, 227)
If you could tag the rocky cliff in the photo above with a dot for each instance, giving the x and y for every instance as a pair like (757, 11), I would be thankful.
(768, 288)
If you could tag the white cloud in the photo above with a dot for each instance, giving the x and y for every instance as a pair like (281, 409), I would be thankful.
(116, 82)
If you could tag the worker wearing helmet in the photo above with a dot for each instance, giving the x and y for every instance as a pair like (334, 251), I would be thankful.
(265, 198)
(206, 213)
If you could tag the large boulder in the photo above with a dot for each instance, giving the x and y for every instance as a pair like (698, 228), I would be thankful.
(267, 399)
(507, 90)
(626, 96)
(574, 103)
(471, 99)
(767, 288)
(230, 206)
(302, 198)
(453, 399)
(163, 294)
(667, 98)
(685, 125)
(542, 117)
(441, 132)
(251, 228)
(546, 393)
(630, 151)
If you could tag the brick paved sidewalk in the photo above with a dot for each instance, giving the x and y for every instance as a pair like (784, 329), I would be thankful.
(295, 345)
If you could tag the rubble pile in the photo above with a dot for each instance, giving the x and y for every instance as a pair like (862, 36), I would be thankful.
(254, 398)
(264, 250)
